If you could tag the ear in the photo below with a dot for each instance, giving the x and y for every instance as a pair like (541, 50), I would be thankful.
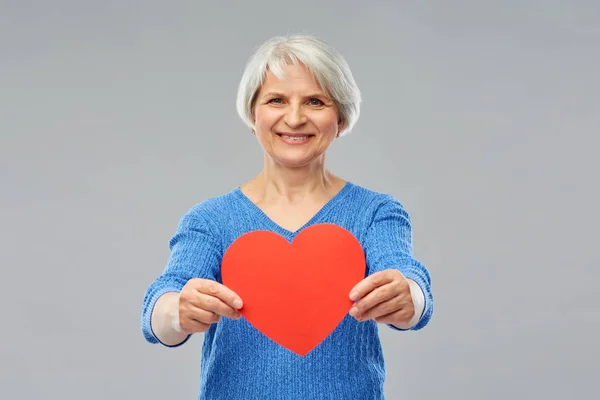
(340, 127)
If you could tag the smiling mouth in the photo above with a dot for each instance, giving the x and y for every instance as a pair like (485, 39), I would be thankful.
(295, 137)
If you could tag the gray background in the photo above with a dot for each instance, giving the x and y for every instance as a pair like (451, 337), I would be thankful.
(481, 117)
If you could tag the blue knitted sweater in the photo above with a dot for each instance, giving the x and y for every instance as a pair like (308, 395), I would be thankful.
(240, 363)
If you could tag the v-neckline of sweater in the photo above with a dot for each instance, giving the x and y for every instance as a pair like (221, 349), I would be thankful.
(283, 231)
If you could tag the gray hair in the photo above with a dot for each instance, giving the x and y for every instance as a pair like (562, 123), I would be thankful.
(328, 67)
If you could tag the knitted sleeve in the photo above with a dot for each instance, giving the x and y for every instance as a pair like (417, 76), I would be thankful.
(195, 253)
(388, 245)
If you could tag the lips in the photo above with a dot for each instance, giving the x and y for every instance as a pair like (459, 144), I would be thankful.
(295, 138)
(288, 135)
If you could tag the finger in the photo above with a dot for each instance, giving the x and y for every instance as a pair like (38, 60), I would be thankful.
(215, 305)
(189, 325)
(203, 316)
(404, 315)
(221, 292)
(368, 284)
(392, 306)
(378, 296)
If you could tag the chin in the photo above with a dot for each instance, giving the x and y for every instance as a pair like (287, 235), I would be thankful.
(293, 162)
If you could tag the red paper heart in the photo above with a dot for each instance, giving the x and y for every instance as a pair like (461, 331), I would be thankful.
(296, 294)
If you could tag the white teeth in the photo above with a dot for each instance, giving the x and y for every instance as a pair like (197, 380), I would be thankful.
(297, 138)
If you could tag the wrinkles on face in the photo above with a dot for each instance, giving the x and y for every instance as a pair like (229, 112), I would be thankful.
(295, 105)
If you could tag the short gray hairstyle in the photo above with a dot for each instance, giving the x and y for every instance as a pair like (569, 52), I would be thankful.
(327, 65)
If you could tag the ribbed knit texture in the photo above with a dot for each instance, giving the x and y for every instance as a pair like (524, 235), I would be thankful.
(239, 362)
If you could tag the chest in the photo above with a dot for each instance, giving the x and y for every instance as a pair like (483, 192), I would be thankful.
(291, 218)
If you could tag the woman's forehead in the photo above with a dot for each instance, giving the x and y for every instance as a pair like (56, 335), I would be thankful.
(294, 76)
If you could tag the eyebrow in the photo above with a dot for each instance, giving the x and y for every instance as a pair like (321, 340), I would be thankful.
(277, 94)
(272, 94)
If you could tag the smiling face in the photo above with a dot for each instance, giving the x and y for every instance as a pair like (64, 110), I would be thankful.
(294, 120)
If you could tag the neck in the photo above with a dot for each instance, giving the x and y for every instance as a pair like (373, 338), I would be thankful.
(294, 184)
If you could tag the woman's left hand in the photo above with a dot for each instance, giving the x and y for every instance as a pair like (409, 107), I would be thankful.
(384, 297)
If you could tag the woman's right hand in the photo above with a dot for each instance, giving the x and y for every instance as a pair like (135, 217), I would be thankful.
(203, 302)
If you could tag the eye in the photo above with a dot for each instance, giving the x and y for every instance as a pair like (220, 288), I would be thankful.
(275, 100)
(316, 102)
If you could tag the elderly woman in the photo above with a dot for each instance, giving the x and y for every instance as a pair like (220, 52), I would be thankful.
(298, 96)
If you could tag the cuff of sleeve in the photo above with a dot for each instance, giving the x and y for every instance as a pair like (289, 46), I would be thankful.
(147, 319)
(418, 298)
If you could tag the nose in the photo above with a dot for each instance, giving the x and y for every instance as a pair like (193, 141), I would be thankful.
(294, 116)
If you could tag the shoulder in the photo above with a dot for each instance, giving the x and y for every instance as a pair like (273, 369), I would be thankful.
(363, 197)
(213, 211)
(363, 208)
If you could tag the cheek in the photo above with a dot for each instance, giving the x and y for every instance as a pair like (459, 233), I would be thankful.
(328, 123)
(264, 120)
